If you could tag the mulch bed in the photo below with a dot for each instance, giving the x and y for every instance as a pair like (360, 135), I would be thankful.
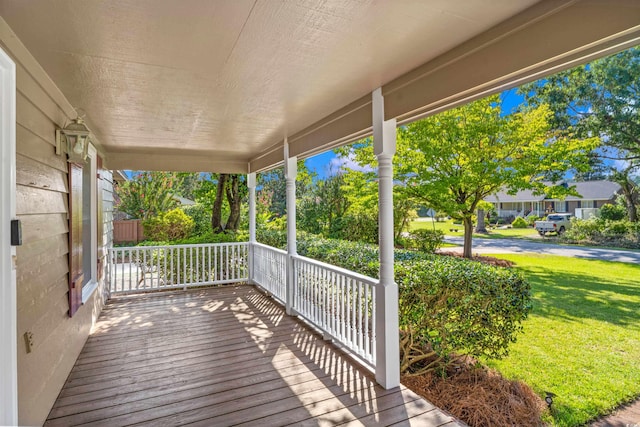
(480, 397)
(477, 395)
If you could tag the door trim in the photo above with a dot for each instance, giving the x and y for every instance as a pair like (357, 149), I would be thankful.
(8, 303)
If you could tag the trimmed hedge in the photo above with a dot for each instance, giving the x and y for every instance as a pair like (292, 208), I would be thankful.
(447, 305)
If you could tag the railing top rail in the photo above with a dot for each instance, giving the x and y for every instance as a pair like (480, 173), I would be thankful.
(271, 248)
(340, 270)
(197, 245)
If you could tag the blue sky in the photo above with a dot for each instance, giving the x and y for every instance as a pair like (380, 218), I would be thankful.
(324, 163)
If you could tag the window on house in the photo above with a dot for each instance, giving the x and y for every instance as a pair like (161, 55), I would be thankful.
(587, 204)
(560, 207)
(82, 233)
(76, 264)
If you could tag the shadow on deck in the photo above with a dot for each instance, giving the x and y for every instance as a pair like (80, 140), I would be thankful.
(222, 356)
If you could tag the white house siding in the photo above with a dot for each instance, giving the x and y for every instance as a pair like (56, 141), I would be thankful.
(42, 260)
(107, 214)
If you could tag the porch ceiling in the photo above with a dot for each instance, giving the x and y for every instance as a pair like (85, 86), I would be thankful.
(217, 85)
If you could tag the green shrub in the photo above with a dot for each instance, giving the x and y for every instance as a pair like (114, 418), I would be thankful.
(532, 219)
(272, 237)
(600, 231)
(613, 212)
(462, 307)
(428, 240)
(201, 217)
(172, 225)
(519, 222)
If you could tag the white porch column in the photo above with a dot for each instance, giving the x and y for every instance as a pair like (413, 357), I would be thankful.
(387, 333)
(290, 172)
(251, 185)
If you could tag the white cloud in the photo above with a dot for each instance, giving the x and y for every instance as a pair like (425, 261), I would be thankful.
(346, 163)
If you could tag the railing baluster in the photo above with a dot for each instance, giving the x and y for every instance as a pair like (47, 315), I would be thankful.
(209, 264)
(366, 320)
(360, 329)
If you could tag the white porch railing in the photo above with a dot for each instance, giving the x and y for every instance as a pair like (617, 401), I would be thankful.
(339, 302)
(152, 268)
(270, 270)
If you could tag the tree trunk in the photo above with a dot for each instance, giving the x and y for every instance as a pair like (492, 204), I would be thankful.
(233, 197)
(216, 211)
(468, 231)
(629, 191)
(481, 227)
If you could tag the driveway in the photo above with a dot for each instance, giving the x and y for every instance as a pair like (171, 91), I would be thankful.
(504, 246)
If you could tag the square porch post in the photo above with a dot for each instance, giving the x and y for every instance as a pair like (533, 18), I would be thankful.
(290, 172)
(387, 322)
(251, 185)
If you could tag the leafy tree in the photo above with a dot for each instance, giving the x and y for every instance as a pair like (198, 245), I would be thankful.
(457, 158)
(272, 187)
(222, 194)
(190, 182)
(599, 99)
(323, 208)
(216, 211)
(453, 160)
(148, 194)
(361, 190)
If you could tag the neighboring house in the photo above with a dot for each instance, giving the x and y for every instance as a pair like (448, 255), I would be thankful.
(524, 203)
(226, 87)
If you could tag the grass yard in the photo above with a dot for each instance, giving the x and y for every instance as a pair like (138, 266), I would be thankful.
(582, 339)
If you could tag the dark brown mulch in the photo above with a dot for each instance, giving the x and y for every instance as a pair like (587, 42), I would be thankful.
(480, 397)
(485, 259)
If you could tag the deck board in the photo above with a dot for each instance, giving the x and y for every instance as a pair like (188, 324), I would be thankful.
(222, 356)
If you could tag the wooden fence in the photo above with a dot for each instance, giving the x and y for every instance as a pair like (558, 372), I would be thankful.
(127, 231)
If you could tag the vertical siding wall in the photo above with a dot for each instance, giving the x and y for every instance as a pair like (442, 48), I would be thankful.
(42, 263)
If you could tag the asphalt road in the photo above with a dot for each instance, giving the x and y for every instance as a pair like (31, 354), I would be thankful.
(502, 246)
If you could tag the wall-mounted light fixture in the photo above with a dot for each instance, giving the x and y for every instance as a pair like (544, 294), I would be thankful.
(75, 140)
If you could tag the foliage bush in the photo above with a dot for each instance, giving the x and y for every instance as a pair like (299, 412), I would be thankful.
(172, 225)
(448, 305)
(531, 219)
(453, 306)
(613, 212)
(427, 240)
(519, 222)
(357, 227)
(201, 216)
(604, 232)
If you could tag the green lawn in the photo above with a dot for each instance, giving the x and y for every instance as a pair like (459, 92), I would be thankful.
(498, 233)
(582, 339)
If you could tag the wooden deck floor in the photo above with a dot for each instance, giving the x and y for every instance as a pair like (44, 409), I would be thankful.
(222, 356)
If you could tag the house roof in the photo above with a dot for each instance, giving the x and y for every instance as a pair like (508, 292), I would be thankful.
(589, 190)
(183, 200)
(204, 85)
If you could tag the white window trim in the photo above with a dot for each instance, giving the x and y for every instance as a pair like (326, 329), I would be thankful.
(90, 287)
(8, 301)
